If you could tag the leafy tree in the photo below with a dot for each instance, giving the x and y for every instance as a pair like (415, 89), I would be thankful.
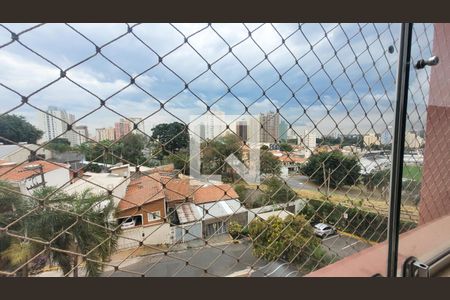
(328, 141)
(59, 145)
(286, 147)
(17, 129)
(291, 239)
(95, 168)
(277, 192)
(216, 151)
(180, 160)
(378, 180)
(174, 136)
(269, 164)
(341, 169)
(130, 148)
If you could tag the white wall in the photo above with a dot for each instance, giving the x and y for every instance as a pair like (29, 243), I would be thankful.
(55, 178)
(149, 235)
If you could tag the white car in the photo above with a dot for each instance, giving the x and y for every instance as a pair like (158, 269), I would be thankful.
(323, 230)
(128, 223)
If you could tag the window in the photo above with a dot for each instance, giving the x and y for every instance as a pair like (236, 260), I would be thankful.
(153, 216)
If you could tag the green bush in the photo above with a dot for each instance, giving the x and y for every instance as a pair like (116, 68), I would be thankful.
(366, 224)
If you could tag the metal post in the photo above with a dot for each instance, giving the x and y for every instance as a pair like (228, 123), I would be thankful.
(398, 147)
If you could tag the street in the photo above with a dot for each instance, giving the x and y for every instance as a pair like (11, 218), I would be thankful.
(234, 259)
(228, 260)
(342, 245)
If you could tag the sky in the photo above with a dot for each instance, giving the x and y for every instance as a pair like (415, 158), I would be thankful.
(325, 74)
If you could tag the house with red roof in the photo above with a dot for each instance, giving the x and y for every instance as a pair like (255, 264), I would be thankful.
(28, 176)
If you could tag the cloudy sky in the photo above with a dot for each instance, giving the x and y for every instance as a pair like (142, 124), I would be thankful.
(313, 73)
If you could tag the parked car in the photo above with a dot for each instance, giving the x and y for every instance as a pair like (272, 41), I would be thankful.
(323, 230)
(128, 223)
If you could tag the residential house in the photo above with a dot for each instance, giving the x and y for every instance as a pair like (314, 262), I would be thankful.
(29, 176)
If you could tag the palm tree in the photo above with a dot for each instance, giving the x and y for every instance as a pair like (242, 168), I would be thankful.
(78, 223)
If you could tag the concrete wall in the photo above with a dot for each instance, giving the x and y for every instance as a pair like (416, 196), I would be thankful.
(187, 232)
(149, 235)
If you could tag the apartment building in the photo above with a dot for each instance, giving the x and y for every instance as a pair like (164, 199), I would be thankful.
(270, 131)
(54, 123)
(102, 134)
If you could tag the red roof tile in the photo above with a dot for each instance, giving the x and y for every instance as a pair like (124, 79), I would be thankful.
(145, 189)
(214, 193)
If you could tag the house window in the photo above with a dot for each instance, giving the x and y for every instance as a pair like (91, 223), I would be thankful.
(153, 216)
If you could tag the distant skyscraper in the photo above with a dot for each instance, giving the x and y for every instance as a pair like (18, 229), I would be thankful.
(54, 125)
(102, 134)
(283, 131)
(242, 129)
(122, 128)
(81, 134)
(212, 124)
(270, 131)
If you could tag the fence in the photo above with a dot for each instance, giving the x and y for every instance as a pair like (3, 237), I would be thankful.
(309, 107)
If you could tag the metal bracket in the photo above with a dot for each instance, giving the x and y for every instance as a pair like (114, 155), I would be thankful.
(413, 268)
(432, 61)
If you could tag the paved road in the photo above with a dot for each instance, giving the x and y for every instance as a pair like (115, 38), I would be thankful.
(235, 259)
(228, 260)
(341, 245)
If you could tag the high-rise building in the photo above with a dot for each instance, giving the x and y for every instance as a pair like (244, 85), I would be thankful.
(213, 125)
(102, 134)
(270, 130)
(81, 134)
(242, 129)
(122, 128)
(54, 123)
(307, 139)
(138, 121)
(371, 139)
(283, 131)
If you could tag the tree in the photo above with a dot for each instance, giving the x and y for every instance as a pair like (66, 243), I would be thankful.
(130, 148)
(95, 168)
(17, 129)
(340, 169)
(291, 239)
(57, 221)
(180, 160)
(174, 136)
(215, 152)
(269, 164)
(277, 192)
(286, 147)
(59, 145)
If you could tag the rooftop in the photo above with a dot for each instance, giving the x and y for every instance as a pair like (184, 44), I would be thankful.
(143, 190)
(19, 172)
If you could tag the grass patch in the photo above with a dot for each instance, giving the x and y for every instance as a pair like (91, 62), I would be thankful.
(412, 172)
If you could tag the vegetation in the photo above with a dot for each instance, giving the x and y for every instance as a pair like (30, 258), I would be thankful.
(59, 145)
(57, 221)
(95, 168)
(286, 147)
(173, 136)
(127, 149)
(269, 164)
(412, 172)
(276, 191)
(180, 160)
(216, 151)
(339, 169)
(366, 224)
(17, 129)
(291, 239)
